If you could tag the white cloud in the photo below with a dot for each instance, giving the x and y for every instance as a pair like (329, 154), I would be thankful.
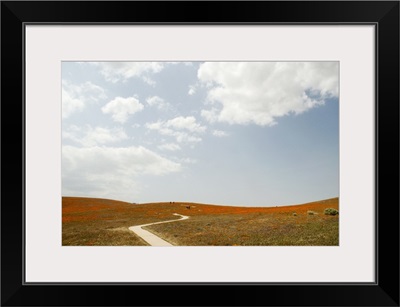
(192, 90)
(155, 126)
(110, 172)
(88, 136)
(122, 71)
(184, 129)
(210, 115)
(180, 136)
(149, 81)
(185, 123)
(158, 102)
(76, 96)
(169, 146)
(219, 133)
(120, 108)
(260, 92)
(70, 104)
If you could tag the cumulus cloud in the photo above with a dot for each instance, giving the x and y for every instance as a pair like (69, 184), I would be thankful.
(76, 96)
(110, 172)
(122, 71)
(184, 129)
(89, 136)
(192, 90)
(70, 104)
(149, 81)
(219, 133)
(185, 123)
(210, 115)
(158, 102)
(260, 92)
(120, 108)
(169, 146)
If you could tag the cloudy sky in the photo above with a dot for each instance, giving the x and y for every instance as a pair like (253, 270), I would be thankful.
(229, 133)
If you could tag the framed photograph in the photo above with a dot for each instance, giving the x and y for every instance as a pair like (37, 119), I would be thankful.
(238, 146)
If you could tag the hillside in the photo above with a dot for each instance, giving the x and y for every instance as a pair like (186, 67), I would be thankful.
(95, 221)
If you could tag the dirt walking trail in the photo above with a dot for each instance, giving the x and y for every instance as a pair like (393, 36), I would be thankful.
(150, 238)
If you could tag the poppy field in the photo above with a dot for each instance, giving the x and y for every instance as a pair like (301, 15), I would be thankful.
(103, 222)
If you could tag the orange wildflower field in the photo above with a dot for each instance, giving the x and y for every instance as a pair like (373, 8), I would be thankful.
(104, 222)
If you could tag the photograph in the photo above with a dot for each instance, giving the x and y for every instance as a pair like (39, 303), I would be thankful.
(200, 153)
(242, 145)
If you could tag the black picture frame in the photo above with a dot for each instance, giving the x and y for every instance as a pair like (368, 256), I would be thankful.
(383, 14)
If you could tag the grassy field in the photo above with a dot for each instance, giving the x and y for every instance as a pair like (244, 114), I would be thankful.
(93, 221)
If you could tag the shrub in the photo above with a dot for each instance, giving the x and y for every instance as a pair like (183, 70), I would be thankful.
(331, 211)
(309, 212)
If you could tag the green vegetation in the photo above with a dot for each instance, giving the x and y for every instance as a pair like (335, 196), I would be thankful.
(98, 233)
(331, 211)
(250, 230)
(88, 222)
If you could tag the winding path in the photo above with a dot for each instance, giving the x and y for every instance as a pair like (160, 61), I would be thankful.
(150, 238)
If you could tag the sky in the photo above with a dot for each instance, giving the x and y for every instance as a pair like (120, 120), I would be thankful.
(226, 133)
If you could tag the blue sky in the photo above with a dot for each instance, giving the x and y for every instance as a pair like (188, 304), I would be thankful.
(228, 133)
